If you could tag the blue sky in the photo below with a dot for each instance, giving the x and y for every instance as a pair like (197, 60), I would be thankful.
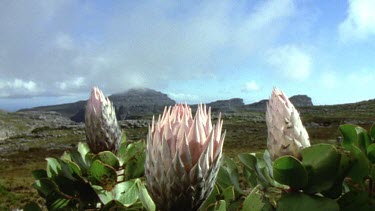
(198, 51)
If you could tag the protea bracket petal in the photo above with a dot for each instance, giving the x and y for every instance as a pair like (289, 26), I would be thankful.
(183, 156)
(102, 130)
(286, 133)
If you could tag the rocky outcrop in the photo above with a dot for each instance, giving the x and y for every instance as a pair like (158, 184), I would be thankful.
(301, 100)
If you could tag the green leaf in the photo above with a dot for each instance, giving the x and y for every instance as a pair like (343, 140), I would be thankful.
(145, 198)
(349, 135)
(346, 162)
(289, 171)
(301, 201)
(355, 135)
(130, 196)
(371, 152)
(254, 201)
(355, 200)
(75, 168)
(45, 186)
(108, 158)
(104, 196)
(114, 205)
(32, 206)
(360, 168)
(248, 160)
(372, 132)
(103, 173)
(228, 175)
(211, 199)
(39, 174)
(250, 176)
(53, 167)
(59, 204)
(83, 149)
(221, 206)
(228, 194)
(322, 164)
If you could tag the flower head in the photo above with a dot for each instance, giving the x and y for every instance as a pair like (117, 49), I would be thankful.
(183, 157)
(102, 130)
(286, 134)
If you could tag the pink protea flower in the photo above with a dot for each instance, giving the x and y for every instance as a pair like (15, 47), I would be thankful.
(183, 156)
(102, 130)
(286, 133)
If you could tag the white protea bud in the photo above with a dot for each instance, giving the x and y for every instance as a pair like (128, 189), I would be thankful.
(102, 130)
(286, 134)
(183, 157)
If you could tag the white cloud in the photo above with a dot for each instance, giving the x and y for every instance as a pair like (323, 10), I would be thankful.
(360, 21)
(183, 98)
(17, 88)
(250, 87)
(138, 44)
(291, 61)
(75, 83)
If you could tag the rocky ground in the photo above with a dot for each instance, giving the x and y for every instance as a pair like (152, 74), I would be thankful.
(26, 138)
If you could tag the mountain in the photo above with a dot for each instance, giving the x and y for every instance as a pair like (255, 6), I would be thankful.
(297, 100)
(137, 103)
(132, 104)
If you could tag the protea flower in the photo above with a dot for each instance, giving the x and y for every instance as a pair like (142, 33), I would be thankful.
(102, 130)
(286, 134)
(183, 156)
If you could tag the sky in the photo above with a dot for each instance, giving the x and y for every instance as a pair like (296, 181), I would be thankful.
(53, 52)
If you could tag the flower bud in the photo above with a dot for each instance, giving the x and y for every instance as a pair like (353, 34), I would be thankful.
(286, 134)
(102, 130)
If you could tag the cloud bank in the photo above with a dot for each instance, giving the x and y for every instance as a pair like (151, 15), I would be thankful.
(62, 48)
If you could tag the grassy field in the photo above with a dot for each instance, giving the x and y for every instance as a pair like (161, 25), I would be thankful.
(245, 132)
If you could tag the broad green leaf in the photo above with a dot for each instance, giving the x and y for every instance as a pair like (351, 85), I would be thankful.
(103, 173)
(228, 175)
(39, 174)
(228, 194)
(355, 200)
(372, 132)
(53, 167)
(304, 202)
(108, 158)
(371, 152)
(254, 201)
(248, 160)
(360, 168)
(364, 139)
(114, 205)
(354, 135)
(32, 206)
(346, 162)
(145, 198)
(130, 196)
(289, 171)
(211, 199)
(75, 168)
(322, 164)
(104, 196)
(349, 135)
(45, 186)
(250, 176)
(221, 206)
(83, 149)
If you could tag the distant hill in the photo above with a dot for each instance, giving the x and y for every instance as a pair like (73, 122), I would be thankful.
(131, 104)
(137, 103)
(297, 100)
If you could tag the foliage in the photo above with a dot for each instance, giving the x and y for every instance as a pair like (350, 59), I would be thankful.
(81, 180)
(325, 178)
